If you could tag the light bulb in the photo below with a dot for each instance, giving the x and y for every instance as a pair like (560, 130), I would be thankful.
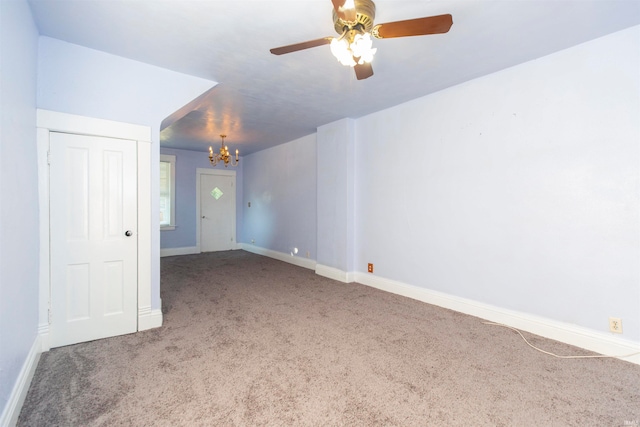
(362, 48)
(340, 49)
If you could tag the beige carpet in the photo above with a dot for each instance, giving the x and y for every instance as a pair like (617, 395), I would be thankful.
(248, 340)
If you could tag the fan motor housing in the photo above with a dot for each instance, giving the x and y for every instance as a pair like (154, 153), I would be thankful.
(365, 14)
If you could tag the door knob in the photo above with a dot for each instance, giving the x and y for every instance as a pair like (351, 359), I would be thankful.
(128, 233)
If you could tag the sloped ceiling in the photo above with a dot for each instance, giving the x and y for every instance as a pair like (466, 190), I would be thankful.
(264, 100)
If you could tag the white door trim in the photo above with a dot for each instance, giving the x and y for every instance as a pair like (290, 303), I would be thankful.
(204, 171)
(50, 121)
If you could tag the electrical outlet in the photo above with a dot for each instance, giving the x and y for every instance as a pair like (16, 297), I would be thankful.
(308, 254)
(370, 268)
(615, 325)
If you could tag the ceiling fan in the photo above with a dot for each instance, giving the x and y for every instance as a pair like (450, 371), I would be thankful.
(353, 20)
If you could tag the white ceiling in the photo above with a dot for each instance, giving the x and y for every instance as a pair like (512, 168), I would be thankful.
(264, 100)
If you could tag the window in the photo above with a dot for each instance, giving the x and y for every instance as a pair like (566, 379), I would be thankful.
(167, 192)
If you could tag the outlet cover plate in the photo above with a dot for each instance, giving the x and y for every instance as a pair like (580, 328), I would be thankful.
(615, 325)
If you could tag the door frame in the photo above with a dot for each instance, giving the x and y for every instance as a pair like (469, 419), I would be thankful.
(52, 121)
(232, 173)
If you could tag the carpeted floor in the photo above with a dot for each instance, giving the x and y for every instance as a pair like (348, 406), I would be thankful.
(249, 340)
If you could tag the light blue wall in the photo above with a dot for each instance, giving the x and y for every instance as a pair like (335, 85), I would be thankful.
(77, 80)
(184, 236)
(336, 187)
(518, 189)
(280, 184)
(19, 224)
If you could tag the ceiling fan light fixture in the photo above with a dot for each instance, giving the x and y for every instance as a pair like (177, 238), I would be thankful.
(349, 49)
(354, 21)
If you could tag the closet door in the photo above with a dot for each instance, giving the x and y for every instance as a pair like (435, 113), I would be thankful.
(93, 235)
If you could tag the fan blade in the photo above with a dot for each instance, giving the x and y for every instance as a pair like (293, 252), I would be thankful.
(345, 9)
(300, 46)
(413, 27)
(363, 71)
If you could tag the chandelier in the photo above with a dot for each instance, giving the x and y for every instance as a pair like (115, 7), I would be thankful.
(223, 155)
(353, 47)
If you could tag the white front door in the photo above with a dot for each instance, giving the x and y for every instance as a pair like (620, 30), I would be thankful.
(93, 226)
(217, 212)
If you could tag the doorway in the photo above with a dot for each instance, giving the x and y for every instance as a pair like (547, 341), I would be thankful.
(93, 219)
(216, 210)
(139, 138)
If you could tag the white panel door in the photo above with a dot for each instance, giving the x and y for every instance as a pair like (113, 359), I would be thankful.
(217, 212)
(93, 217)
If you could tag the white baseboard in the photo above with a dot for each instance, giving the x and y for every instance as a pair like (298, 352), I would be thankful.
(334, 273)
(564, 332)
(149, 319)
(16, 399)
(291, 259)
(179, 251)
(43, 333)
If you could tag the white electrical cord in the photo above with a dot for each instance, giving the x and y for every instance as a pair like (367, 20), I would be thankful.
(555, 355)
